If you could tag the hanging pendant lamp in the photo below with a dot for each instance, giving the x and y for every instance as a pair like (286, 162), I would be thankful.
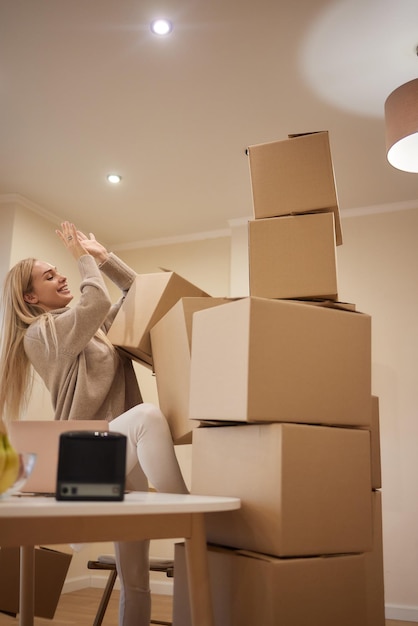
(401, 117)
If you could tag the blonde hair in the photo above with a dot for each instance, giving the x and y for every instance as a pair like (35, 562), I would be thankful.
(16, 315)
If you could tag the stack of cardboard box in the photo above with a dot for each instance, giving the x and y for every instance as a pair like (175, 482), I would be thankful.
(276, 390)
(282, 382)
(297, 223)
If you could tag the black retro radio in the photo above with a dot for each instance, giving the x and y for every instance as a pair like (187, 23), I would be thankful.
(91, 466)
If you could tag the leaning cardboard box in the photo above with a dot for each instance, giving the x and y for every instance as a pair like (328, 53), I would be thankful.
(51, 568)
(293, 257)
(148, 299)
(292, 176)
(305, 490)
(263, 360)
(249, 588)
(171, 344)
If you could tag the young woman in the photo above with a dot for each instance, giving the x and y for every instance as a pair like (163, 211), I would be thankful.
(87, 379)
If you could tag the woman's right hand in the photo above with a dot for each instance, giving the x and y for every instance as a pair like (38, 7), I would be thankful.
(69, 237)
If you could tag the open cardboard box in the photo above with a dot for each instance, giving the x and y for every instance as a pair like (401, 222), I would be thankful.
(148, 300)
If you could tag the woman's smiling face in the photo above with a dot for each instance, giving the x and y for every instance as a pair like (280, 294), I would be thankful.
(49, 288)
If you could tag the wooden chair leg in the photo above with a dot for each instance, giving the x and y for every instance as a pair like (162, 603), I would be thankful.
(105, 598)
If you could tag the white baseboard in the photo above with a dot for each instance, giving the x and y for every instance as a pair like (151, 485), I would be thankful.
(160, 587)
(401, 613)
(74, 584)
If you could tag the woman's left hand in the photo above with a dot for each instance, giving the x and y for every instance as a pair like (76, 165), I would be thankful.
(92, 246)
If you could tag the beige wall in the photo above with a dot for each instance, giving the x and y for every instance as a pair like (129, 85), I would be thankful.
(205, 262)
(7, 213)
(377, 269)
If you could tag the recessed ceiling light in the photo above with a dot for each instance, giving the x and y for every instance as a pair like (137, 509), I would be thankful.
(114, 178)
(161, 27)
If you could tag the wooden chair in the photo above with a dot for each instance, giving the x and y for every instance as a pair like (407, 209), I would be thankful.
(108, 563)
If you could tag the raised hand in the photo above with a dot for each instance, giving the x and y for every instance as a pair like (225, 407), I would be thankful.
(92, 246)
(69, 237)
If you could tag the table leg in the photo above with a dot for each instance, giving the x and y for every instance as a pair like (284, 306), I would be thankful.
(198, 574)
(27, 585)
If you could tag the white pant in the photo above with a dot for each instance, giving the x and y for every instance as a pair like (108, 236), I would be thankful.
(150, 457)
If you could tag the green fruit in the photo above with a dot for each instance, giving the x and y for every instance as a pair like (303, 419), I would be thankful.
(10, 471)
(2, 455)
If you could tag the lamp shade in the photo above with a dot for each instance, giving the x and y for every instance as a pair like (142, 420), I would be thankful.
(401, 116)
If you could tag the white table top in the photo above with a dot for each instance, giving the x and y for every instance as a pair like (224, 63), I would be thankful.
(135, 503)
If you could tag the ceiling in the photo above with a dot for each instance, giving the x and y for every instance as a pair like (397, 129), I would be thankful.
(87, 89)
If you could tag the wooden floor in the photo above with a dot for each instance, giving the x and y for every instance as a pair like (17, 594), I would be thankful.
(78, 608)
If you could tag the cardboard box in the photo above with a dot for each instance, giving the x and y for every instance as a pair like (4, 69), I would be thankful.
(374, 568)
(262, 360)
(171, 344)
(149, 298)
(250, 589)
(51, 568)
(293, 257)
(375, 445)
(293, 176)
(305, 490)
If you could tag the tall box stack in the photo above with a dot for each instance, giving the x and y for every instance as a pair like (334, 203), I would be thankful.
(280, 382)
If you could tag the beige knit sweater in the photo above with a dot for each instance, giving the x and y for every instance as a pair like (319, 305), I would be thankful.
(87, 379)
